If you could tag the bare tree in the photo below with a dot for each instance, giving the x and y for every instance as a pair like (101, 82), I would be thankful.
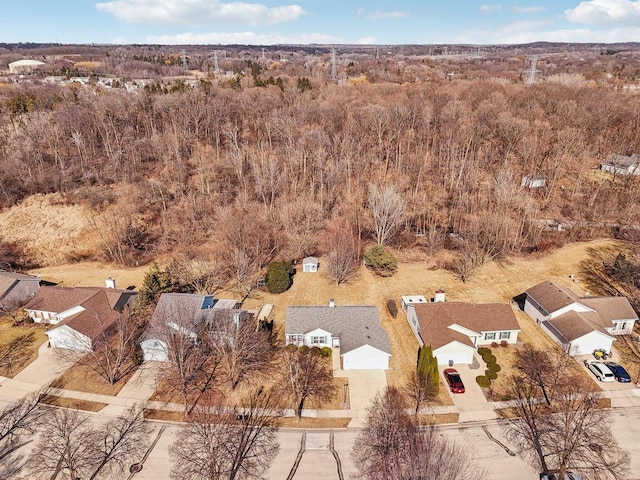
(17, 423)
(242, 347)
(392, 447)
(16, 352)
(223, 442)
(119, 441)
(342, 259)
(388, 211)
(544, 368)
(571, 434)
(204, 277)
(66, 444)
(306, 375)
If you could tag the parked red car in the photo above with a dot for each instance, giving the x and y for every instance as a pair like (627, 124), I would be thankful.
(454, 380)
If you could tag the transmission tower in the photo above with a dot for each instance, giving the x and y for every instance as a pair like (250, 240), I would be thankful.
(334, 69)
(531, 73)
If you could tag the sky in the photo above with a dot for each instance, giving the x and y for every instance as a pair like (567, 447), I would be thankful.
(268, 22)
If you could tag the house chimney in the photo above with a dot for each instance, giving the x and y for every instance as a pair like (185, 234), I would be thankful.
(439, 296)
(332, 303)
(110, 282)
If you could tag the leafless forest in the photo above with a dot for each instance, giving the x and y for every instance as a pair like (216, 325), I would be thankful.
(264, 162)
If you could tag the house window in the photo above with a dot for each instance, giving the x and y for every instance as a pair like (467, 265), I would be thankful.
(490, 336)
(318, 340)
(505, 335)
(622, 326)
(295, 339)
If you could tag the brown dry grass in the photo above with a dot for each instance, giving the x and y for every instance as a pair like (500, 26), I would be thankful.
(8, 333)
(629, 350)
(74, 403)
(81, 378)
(170, 416)
(307, 422)
(91, 274)
(438, 419)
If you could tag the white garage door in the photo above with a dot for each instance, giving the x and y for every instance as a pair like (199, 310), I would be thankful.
(457, 353)
(587, 344)
(365, 358)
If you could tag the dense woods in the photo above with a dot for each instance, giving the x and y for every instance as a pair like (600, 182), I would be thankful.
(249, 174)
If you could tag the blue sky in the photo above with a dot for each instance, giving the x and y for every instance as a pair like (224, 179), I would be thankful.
(319, 21)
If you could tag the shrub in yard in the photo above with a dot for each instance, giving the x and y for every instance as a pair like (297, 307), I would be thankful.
(315, 351)
(483, 381)
(490, 374)
(291, 348)
(392, 307)
(325, 351)
(494, 367)
(380, 261)
(304, 349)
(279, 276)
(494, 345)
(491, 358)
(482, 351)
(504, 343)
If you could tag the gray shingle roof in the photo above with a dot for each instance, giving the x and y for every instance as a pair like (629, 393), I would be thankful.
(551, 296)
(356, 326)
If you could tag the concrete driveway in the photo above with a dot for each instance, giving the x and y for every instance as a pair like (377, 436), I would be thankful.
(45, 369)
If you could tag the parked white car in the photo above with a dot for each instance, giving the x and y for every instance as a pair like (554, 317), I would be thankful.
(600, 370)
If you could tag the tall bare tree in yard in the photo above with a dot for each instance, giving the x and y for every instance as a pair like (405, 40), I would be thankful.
(17, 423)
(570, 434)
(306, 376)
(388, 210)
(66, 444)
(342, 248)
(390, 446)
(225, 443)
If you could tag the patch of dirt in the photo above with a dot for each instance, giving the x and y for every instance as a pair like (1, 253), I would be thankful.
(74, 403)
(49, 231)
(92, 274)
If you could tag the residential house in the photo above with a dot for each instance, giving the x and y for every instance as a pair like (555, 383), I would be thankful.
(579, 324)
(622, 164)
(310, 264)
(188, 314)
(17, 288)
(355, 330)
(456, 329)
(80, 314)
(535, 181)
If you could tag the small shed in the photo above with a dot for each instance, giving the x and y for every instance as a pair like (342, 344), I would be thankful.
(310, 264)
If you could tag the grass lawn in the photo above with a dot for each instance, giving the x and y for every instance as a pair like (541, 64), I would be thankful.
(629, 349)
(307, 422)
(28, 353)
(82, 379)
(74, 403)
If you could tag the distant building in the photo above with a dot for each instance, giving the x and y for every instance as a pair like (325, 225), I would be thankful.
(310, 264)
(622, 164)
(24, 66)
(536, 181)
(16, 288)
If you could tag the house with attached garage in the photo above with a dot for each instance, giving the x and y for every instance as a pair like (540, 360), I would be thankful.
(579, 324)
(622, 164)
(80, 315)
(187, 314)
(355, 330)
(456, 329)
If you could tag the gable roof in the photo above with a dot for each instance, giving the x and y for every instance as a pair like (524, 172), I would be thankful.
(572, 325)
(435, 320)
(623, 160)
(610, 309)
(309, 261)
(354, 325)
(551, 296)
(8, 280)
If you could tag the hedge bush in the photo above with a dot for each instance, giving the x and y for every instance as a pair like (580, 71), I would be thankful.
(483, 381)
(304, 349)
(491, 358)
(490, 374)
(326, 351)
(494, 367)
(380, 261)
(315, 351)
(392, 307)
(482, 351)
(279, 276)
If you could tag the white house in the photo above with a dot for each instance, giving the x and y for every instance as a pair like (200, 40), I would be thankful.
(356, 330)
(455, 329)
(185, 313)
(17, 288)
(310, 264)
(24, 66)
(579, 324)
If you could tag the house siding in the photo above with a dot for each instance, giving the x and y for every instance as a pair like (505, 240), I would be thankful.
(412, 319)
(534, 310)
(68, 338)
(512, 337)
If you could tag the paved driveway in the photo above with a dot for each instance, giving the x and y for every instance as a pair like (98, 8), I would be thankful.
(472, 398)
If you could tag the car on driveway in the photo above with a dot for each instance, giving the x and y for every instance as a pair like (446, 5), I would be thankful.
(600, 370)
(619, 372)
(454, 380)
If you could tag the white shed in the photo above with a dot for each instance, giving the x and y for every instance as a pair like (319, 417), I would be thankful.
(310, 264)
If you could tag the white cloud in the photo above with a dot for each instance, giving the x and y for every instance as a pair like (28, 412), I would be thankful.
(119, 41)
(532, 9)
(366, 41)
(198, 12)
(243, 38)
(600, 12)
(378, 15)
(490, 8)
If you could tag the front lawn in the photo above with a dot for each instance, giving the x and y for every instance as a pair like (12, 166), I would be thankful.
(19, 346)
